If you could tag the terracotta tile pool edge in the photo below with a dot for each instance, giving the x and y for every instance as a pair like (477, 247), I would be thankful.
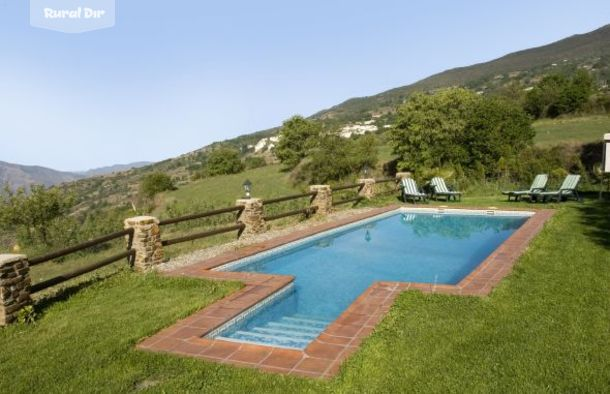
(323, 357)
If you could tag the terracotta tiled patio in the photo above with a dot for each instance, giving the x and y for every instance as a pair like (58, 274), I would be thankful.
(322, 357)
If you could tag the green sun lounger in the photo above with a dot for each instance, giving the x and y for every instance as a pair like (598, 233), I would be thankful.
(539, 185)
(567, 190)
(440, 189)
(410, 191)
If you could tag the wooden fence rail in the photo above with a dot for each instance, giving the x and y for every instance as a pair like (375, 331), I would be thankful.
(76, 248)
(239, 226)
(206, 214)
(130, 254)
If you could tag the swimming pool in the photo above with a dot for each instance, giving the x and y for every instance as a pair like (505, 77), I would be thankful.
(333, 268)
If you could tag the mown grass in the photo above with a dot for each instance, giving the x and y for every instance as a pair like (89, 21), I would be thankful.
(546, 328)
(222, 191)
(580, 129)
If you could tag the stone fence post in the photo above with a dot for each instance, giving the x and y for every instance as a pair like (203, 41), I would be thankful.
(323, 199)
(146, 242)
(368, 190)
(14, 286)
(402, 175)
(251, 216)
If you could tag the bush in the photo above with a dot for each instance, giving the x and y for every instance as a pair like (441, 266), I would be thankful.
(36, 214)
(223, 161)
(335, 158)
(156, 182)
(459, 129)
(298, 136)
(252, 162)
(557, 94)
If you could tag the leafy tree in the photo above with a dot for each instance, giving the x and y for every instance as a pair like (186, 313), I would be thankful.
(336, 158)
(297, 138)
(576, 93)
(557, 94)
(459, 129)
(156, 182)
(223, 160)
(497, 130)
(33, 213)
(428, 126)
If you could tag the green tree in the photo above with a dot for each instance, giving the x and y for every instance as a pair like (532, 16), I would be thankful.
(576, 93)
(457, 128)
(336, 158)
(156, 182)
(557, 94)
(222, 161)
(427, 127)
(33, 213)
(298, 136)
(497, 130)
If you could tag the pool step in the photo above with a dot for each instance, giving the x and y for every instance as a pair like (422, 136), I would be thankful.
(305, 322)
(284, 333)
(273, 340)
(287, 331)
(292, 327)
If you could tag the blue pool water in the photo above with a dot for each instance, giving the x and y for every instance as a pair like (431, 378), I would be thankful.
(333, 270)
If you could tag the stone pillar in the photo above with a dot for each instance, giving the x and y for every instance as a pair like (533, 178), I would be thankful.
(323, 200)
(146, 242)
(402, 175)
(251, 216)
(14, 286)
(368, 190)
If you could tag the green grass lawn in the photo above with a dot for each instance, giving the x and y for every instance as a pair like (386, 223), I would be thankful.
(222, 191)
(546, 328)
(581, 129)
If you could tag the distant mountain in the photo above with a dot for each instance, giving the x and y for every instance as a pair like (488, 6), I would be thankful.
(590, 50)
(113, 168)
(17, 175)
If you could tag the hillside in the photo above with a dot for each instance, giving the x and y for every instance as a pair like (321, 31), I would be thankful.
(591, 50)
(17, 175)
(114, 168)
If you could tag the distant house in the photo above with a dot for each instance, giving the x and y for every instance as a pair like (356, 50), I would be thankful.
(358, 128)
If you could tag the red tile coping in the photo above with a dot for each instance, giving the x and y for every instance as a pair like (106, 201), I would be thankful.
(322, 357)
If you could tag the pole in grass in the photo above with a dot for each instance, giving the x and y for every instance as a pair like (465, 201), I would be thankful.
(605, 164)
(247, 187)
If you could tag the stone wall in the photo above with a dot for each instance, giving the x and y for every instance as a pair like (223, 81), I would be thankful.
(14, 286)
(252, 216)
(323, 199)
(146, 242)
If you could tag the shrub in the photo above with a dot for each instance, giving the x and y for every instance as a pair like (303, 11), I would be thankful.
(557, 94)
(34, 214)
(335, 158)
(457, 128)
(223, 161)
(156, 182)
(298, 136)
(252, 162)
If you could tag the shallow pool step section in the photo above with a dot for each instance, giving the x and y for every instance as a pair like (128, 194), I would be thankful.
(288, 331)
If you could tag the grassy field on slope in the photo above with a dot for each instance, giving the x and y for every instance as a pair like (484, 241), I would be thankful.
(545, 329)
(582, 129)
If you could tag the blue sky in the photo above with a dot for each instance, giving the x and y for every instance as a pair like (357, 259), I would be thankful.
(173, 76)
